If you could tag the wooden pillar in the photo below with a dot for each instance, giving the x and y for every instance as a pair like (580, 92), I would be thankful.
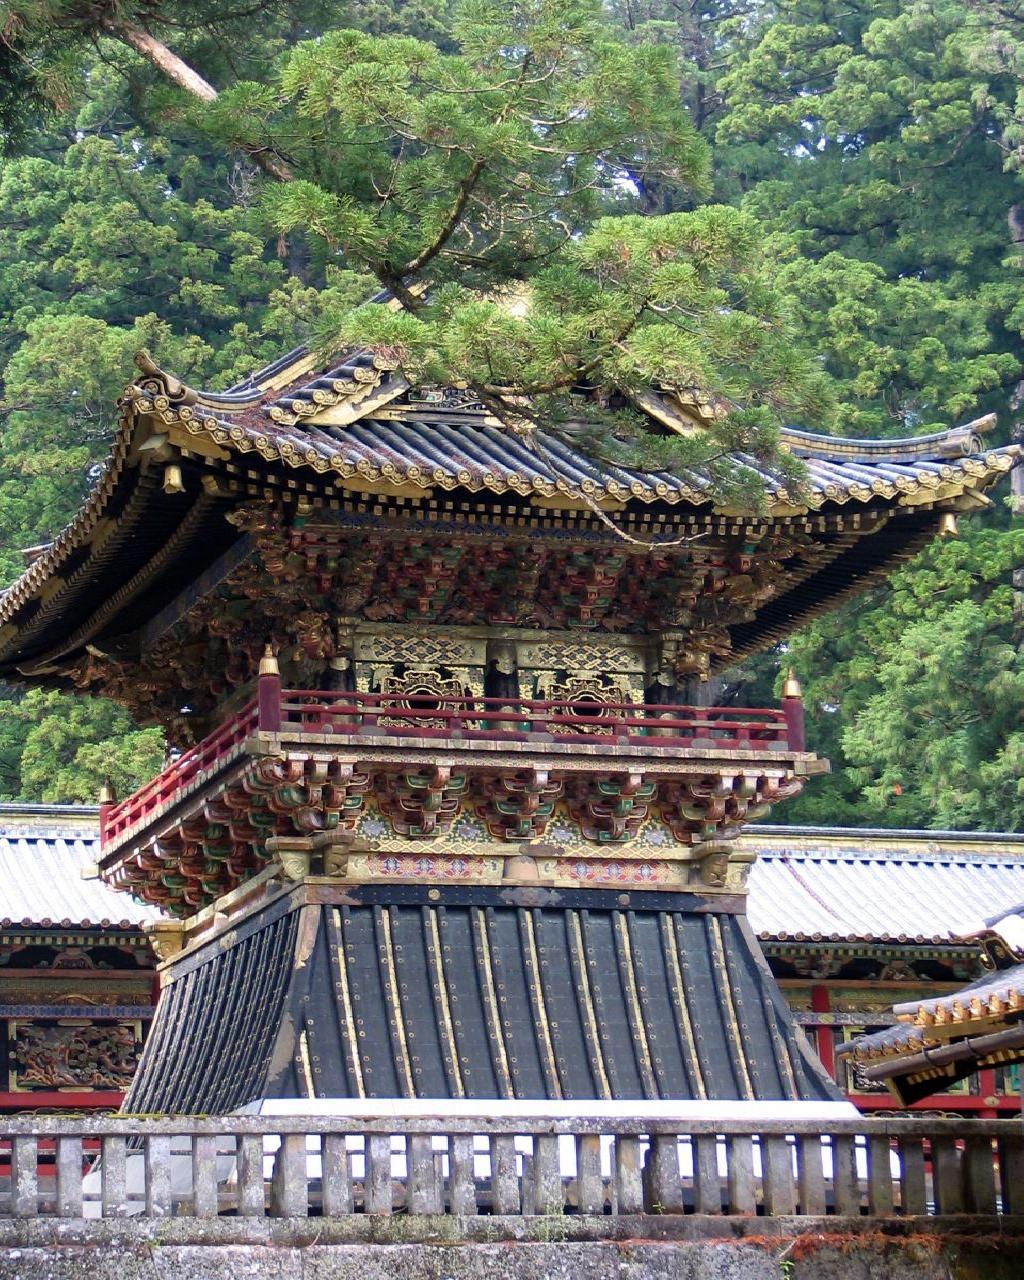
(793, 710)
(821, 1002)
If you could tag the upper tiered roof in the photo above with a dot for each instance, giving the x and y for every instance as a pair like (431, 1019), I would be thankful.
(355, 445)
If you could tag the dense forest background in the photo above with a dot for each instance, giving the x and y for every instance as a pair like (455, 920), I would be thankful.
(878, 144)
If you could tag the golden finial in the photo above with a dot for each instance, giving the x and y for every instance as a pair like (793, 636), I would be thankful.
(107, 793)
(947, 525)
(791, 686)
(268, 663)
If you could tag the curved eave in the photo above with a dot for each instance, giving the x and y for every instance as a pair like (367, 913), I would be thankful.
(484, 458)
(108, 539)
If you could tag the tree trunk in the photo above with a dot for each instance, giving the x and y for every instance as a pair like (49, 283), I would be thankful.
(185, 77)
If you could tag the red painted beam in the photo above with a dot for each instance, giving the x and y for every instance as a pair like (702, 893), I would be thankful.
(87, 1099)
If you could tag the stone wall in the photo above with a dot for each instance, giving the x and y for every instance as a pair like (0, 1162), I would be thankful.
(642, 1248)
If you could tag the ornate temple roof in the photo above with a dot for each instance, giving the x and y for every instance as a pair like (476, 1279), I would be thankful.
(43, 851)
(361, 420)
(356, 441)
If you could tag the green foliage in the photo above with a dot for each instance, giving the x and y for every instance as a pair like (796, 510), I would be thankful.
(58, 748)
(869, 140)
(516, 161)
(876, 142)
(109, 244)
(499, 156)
(917, 694)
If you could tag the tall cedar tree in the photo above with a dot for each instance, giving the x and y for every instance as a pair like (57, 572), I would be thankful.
(878, 146)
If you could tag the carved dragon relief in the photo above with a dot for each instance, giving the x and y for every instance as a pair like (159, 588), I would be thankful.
(55, 1055)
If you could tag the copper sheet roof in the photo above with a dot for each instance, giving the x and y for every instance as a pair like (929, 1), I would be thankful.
(43, 851)
(464, 994)
(832, 885)
(470, 453)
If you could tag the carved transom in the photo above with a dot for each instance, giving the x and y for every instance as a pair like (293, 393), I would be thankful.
(586, 694)
(417, 689)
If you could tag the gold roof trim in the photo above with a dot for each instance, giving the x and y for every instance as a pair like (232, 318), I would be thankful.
(972, 473)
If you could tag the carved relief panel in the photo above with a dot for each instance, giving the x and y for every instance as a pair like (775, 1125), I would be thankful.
(72, 1053)
(586, 674)
(420, 663)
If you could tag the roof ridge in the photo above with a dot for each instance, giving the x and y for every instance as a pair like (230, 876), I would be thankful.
(941, 857)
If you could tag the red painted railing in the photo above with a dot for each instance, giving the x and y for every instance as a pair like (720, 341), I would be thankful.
(118, 818)
(459, 719)
(522, 719)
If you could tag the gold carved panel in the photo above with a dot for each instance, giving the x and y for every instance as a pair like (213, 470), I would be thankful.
(69, 1053)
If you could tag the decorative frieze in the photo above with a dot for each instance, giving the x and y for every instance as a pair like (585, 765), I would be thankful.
(62, 1054)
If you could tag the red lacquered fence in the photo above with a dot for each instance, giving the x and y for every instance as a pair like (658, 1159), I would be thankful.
(115, 819)
(522, 719)
(463, 719)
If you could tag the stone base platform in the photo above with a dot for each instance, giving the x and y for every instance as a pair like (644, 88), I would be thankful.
(691, 1247)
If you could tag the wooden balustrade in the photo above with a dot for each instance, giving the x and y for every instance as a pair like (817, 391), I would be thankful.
(415, 714)
(187, 768)
(74, 1167)
(293, 713)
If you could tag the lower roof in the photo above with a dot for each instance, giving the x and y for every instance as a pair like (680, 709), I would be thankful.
(390, 993)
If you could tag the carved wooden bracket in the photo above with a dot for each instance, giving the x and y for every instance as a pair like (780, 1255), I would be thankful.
(611, 809)
(518, 807)
(421, 804)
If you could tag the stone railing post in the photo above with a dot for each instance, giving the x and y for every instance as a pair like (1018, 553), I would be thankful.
(341, 1167)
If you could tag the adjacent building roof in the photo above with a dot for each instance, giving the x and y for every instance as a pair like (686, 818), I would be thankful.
(948, 1037)
(43, 851)
(826, 884)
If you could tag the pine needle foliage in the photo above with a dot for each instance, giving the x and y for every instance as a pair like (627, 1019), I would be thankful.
(493, 192)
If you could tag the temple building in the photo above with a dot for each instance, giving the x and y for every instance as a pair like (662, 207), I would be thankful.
(854, 922)
(77, 980)
(438, 820)
(851, 922)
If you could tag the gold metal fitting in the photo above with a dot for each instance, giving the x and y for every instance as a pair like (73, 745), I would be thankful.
(791, 686)
(268, 663)
(107, 793)
(173, 481)
(948, 526)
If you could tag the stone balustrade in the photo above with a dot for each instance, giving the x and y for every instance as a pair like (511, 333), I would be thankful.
(476, 1167)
